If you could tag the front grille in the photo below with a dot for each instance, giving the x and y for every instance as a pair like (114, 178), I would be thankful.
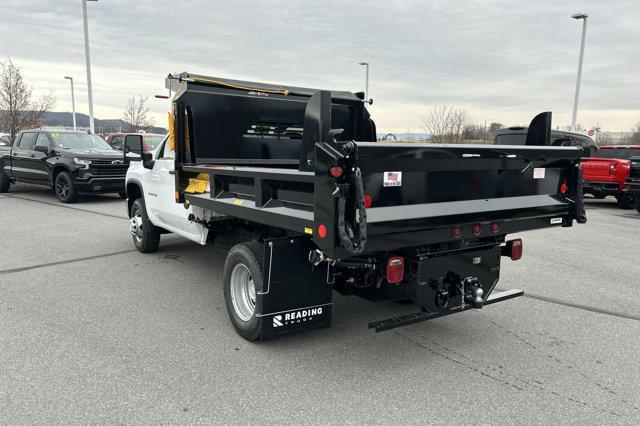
(106, 167)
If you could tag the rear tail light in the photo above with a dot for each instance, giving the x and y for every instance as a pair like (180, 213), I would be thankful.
(495, 227)
(513, 249)
(563, 188)
(476, 229)
(395, 269)
(335, 171)
(367, 201)
(456, 232)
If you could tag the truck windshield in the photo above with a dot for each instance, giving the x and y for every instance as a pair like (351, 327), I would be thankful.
(622, 153)
(79, 141)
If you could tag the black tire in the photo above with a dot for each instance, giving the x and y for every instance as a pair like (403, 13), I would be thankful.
(64, 189)
(145, 235)
(5, 183)
(122, 194)
(626, 201)
(251, 255)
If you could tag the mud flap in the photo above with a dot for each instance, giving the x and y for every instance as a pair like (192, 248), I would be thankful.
(295, 296)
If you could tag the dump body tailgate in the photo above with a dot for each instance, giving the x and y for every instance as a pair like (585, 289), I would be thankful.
(417, 192)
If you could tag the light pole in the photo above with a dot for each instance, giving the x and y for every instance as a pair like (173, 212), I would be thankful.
(86, 53)
(73, 102)
(366, 83)
(584, 17)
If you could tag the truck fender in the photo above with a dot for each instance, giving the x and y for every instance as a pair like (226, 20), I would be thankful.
(134, 191)
(57, 169)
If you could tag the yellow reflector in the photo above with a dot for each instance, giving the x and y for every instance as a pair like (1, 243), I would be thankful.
(172, 137)
(238, 202)
(308, 231)
(196, 186)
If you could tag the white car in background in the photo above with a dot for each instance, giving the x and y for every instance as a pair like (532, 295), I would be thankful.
(5, 139)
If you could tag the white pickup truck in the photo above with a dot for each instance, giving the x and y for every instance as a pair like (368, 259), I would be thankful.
(151, 203)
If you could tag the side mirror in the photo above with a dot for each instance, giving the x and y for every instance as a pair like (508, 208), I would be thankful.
(133, 146)
(147, 160)
(42, 148)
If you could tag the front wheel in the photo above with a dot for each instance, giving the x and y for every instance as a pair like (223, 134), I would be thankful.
(146, 236)
(63, 186)
(626, 201)
(242, 279)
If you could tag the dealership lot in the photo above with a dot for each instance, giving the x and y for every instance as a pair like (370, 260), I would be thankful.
(92, 330)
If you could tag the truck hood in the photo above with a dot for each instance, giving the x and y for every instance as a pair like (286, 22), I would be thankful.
(101, 154)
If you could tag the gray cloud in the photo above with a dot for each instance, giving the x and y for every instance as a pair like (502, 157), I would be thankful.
(502, 60)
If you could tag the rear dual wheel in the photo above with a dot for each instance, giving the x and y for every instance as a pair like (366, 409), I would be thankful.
(242, 278)
(626, 201)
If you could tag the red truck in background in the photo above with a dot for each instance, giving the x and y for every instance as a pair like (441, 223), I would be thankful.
(606, 173)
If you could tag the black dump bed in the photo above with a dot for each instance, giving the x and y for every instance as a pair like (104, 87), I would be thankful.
(307, 161)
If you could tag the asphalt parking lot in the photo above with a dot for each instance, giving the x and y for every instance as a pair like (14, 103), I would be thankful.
(93, 331)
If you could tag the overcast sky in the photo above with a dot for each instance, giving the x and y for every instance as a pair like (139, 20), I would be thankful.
(501, 61)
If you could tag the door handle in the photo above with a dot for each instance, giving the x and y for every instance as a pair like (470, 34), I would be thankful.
(15, 154)
(32, 155)
(172, 172)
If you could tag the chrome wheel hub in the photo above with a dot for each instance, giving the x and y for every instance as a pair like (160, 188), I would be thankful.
(135, 226)
(243, 292)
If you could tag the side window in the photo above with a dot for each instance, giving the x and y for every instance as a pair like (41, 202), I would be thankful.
(27, 141)
(42, 140)
(166, 152)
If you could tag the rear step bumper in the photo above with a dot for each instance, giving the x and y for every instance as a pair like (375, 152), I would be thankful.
(400, 321)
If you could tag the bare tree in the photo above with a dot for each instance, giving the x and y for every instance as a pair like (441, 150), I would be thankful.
(136, 113)
(635, 134)
(17, 109)
(445, 123)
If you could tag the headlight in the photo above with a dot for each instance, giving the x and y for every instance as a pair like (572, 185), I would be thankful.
(81, 162)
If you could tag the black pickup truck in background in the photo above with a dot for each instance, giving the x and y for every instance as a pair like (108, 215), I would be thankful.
(67, 161)
(518, 136)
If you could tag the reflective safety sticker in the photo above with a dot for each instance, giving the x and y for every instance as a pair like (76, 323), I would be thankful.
(392, 179)
(538, 173)
(556, 220)
(308, 231)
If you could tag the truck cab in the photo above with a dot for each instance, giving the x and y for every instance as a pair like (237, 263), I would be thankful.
(153, 181)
